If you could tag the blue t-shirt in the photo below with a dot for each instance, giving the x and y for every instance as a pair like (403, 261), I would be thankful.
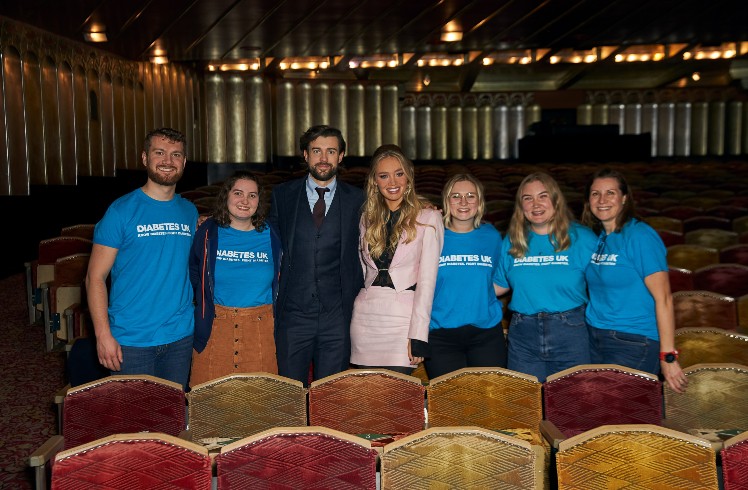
(464, 293)
(545, 280)
(619, 298)
(150, 302)
(244, 268)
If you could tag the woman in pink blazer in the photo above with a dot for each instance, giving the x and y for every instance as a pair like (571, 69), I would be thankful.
(399, 250)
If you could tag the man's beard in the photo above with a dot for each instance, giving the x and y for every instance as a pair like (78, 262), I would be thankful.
(164, 179)
(326, 177)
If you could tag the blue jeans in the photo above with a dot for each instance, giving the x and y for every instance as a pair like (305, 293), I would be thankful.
(168, 361)
(547, 343)
(626, 349)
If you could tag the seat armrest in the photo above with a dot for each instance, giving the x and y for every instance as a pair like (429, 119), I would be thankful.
(40, 459)
(551, 433)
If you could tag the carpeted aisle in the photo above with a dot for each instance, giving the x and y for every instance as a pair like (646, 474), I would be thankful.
(30, 377)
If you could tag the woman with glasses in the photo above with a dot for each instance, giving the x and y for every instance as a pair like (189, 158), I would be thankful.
(465, 329)
(630, 315)
(400, 241)
(543, 259)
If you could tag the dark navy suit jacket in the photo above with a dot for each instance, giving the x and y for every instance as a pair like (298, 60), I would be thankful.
(284, 214)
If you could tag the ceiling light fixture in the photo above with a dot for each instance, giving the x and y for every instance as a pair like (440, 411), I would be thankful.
(159, 60)
(96, 33)
(451, 32)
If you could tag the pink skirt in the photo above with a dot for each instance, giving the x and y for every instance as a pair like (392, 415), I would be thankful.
(379, 327)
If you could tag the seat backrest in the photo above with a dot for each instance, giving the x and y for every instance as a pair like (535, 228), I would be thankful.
(715, 399)
(298, 457)
(705, 222)
(71, 270)
(51, 249)
(734, 254)
(240, 405)
(670, 238)
(710, 345)
(735, 462)
(680, 279)
(701, 308)
(122, 404)
(727, 279)
(691, 257)
(740, 225)
(711, 237)
(590, 395)
(461, 457)
(129, 461)
(665, 223)
(83, 230)
(368, 401)
(681, 211)
(636, 456)
(492, 398)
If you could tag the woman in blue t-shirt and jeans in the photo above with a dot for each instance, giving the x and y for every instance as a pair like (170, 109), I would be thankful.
(465, 328)
(630, 315)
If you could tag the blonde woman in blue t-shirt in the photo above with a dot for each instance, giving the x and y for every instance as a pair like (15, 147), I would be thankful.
(465, 328)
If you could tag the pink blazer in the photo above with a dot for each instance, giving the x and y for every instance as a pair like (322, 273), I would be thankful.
(417, 263)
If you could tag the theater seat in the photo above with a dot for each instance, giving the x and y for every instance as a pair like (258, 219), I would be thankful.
(700, 308)
(133, 461)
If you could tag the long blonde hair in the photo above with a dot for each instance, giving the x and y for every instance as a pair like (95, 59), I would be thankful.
(376, 213)
(558, 226)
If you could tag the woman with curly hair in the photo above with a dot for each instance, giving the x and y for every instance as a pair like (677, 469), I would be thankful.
(399, 250)
(543, 261)
(234, 266)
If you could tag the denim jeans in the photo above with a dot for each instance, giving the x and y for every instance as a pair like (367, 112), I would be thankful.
(626, 349)
(168, 361)
(547, 343)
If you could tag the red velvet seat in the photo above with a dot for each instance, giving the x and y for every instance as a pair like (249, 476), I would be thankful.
(680, 279)
(298, 457)
(681, 212)
(727, 279)
(368, 401)
(705, 309)
(114, 405)
(670, 238)
(734, 254)
(590, 395)
(735, 462)
(133, 461)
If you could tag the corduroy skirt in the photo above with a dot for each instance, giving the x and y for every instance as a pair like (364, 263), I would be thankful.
(241, 341)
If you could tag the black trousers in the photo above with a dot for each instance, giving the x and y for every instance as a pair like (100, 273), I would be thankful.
(467, 346)
(320, 337)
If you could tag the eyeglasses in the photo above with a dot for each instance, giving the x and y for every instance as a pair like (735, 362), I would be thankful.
(470, 197)
(598, 255)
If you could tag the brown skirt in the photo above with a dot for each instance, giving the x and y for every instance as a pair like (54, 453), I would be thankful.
(241, 341)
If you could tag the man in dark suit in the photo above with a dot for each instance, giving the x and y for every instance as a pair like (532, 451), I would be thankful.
(320, 270)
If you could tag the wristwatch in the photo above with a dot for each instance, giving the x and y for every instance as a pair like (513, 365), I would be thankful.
(669, 356)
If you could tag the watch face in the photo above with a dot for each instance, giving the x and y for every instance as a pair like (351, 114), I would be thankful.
(670, 357)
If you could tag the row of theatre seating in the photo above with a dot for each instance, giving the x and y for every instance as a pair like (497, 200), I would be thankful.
(589, 427)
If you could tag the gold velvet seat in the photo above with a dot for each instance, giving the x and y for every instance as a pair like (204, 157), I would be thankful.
(710, 345)
(641, 456)
(239, 405)
(714, 403)
(461, 458)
